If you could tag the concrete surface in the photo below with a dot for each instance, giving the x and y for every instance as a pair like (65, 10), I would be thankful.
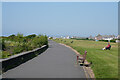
(57, 61)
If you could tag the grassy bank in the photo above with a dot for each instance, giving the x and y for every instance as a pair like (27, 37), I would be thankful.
(105, 62)
(15, 44)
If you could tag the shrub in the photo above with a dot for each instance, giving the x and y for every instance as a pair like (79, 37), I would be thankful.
(0, 44)
(112, 40)
(31, 36)
(17, 50)
(16, 44)
(5, 54)
(19, 35)
(104, 40)
(107, 40)
(82, 39)
(51, 38)
(0, 54)
(3, 45)
(39, 41)
(71, 41)
(12, 36)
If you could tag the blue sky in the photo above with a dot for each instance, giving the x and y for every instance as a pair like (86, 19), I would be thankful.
(60, 18)
(0, 18)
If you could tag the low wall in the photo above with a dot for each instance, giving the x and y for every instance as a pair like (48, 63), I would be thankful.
(18, 59)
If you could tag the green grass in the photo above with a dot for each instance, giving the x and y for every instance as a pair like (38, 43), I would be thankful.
(105, 62)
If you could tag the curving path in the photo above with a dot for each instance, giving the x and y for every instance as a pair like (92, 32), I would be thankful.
(57, 61)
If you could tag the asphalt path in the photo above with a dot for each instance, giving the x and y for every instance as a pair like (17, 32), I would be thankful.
(57, 61)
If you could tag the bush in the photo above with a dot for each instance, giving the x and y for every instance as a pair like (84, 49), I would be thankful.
(71, 41)
(82, 39)
(31, 36)
(17, 44)
(20, 35)
(5, 54)
(40, 41)
(108, 41)
(112, 40)
(0, 54)
(17, 50)
(12, 36)
(51, 38)
(2, 44)
(104, 40)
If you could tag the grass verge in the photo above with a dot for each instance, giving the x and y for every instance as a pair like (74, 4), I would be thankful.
(105, 62)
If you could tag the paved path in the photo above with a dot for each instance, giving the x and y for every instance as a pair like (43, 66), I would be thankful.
(57, 61)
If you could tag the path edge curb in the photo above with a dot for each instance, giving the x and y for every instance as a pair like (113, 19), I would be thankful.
(87, 70)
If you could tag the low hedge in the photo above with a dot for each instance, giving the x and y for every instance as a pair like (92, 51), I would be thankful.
(107, 40)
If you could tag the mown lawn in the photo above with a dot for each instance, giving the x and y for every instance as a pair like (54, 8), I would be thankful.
(105, 62)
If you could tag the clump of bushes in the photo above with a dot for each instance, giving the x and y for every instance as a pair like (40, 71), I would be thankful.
(82, 39)
(112, 40)
(2, 44)
(71, 41)
(5, 54)
(108, 41)
(39, 41)
(104, 40)
(15, 44)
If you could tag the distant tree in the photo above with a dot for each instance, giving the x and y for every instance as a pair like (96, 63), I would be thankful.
(87, 38)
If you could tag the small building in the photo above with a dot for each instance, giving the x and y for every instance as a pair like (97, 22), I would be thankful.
(99, 38)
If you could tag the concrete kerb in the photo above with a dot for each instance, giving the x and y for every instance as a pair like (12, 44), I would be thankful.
(20, 58)
(88, 71)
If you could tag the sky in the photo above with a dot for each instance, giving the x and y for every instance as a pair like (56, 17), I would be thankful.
(60, 0)
(0, 18)
(60, 18)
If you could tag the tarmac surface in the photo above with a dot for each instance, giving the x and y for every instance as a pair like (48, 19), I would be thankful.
(57, 61)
